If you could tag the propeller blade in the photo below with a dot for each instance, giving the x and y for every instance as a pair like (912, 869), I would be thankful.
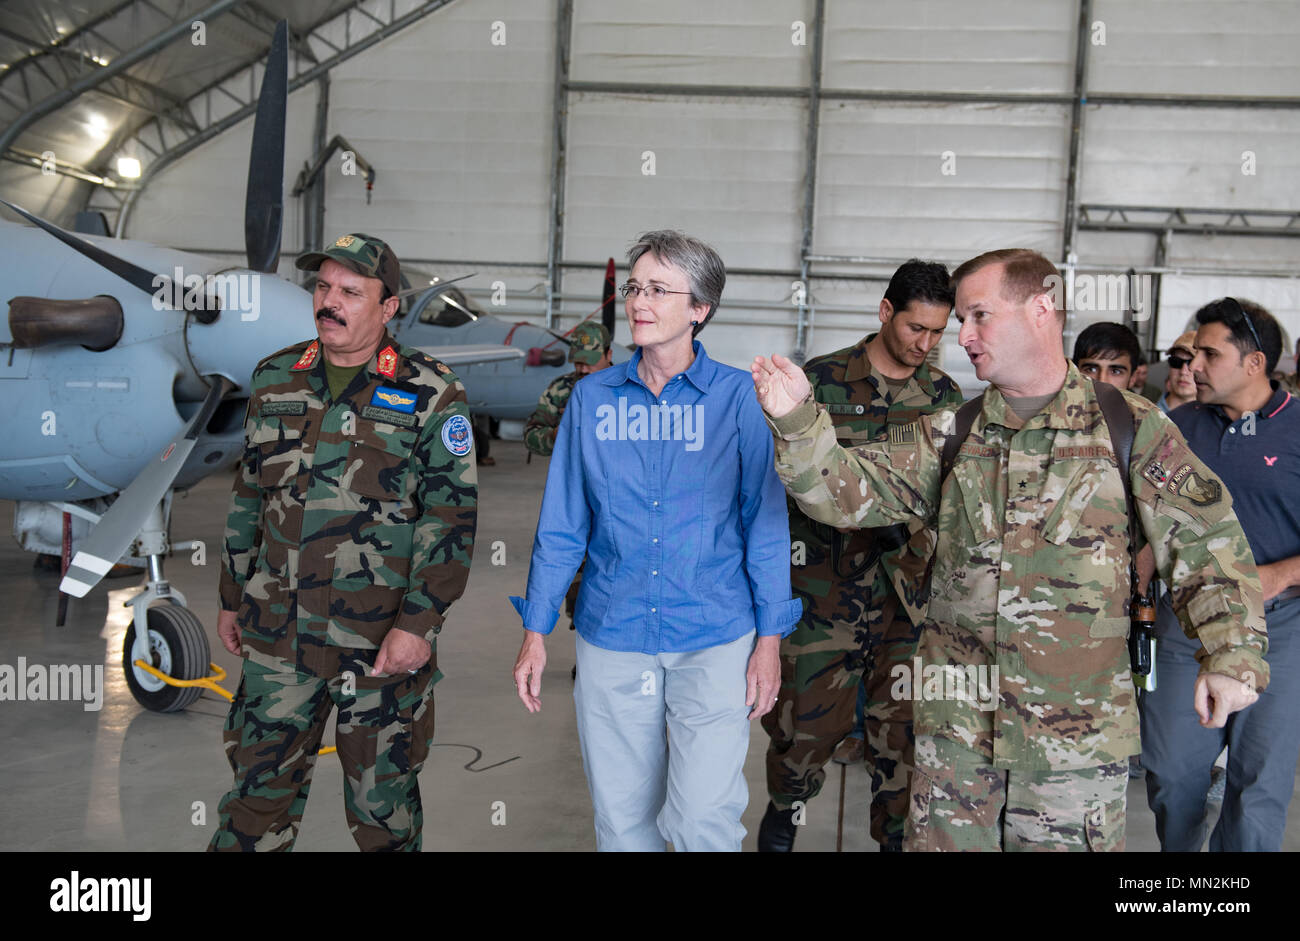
(154, 285)
(119, 527)
(264, 202)
(607, 313)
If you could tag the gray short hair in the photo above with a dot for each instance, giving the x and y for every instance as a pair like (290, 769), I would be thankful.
(704, 270)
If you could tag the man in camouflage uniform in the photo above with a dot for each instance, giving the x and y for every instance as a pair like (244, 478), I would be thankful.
(854, 628)
(589, 352)
(1031, 574)
(350, 533)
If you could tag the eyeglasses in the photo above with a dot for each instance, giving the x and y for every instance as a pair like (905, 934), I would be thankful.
(1233, 314)
(1178, 362)
(652, 291)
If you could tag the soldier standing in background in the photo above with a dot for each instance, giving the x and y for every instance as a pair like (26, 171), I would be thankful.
(589, 352)
(1025, 715)
(350, 532)
(854, 628)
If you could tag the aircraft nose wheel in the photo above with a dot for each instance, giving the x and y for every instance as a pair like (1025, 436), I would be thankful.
(178, 647)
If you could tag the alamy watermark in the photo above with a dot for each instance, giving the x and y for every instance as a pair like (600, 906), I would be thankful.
(651, 423)
(231, 290)
(946, 682)
(1102, 293)
(58, 682)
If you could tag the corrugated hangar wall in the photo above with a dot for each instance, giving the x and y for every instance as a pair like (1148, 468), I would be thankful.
(457, 115)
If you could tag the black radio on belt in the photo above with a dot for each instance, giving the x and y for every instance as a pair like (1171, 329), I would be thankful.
(1141, 640)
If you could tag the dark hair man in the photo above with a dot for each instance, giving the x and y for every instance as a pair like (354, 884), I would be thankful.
(1108, 352)
(852, 613)
(1247, 430)
(350, 532)
(1030, 589)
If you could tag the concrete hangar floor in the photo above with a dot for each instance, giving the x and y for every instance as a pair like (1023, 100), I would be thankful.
(124, 778)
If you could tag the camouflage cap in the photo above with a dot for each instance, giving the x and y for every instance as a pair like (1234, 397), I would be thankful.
(1185, 343)
(364, 254)
(588, 343)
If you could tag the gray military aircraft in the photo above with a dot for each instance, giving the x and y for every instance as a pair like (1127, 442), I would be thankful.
(124, 370)
(509, 389)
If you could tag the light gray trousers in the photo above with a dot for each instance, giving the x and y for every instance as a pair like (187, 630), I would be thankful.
(664, 738)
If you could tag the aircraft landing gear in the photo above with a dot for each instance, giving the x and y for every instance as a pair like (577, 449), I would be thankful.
(178, 647)
(173, 641)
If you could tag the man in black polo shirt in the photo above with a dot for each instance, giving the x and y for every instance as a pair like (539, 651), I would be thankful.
(1247, 430)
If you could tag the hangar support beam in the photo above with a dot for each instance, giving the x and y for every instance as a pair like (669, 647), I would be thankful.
(169, 151)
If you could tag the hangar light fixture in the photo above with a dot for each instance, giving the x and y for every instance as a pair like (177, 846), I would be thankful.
(128, 168)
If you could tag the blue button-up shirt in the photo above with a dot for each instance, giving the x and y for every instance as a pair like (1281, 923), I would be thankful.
(675, 503)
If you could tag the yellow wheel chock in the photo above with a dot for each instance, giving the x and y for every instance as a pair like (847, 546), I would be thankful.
(210, 682)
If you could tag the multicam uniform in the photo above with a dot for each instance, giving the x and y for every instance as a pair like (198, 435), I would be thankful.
(853, 625)
(349, 518)
(1031, 576)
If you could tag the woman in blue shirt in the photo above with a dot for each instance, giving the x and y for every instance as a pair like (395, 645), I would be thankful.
(662, 477)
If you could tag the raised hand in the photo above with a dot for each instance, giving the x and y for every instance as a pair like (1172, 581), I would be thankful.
(779, 384)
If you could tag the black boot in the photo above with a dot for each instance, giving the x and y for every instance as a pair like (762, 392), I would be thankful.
(776, 832)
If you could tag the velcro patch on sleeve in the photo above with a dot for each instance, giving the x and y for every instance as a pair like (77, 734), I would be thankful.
(1207, 605)
(1195, 488)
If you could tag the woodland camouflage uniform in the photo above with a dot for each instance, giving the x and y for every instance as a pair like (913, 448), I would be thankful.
(349, 518)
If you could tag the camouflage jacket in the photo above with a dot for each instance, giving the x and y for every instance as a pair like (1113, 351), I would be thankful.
(539, 433)
(1031, 572)
(859, 404)
(350, 517)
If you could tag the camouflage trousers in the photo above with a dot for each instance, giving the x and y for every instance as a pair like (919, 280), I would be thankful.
(973, 807)
(822, 664)
(273, 732)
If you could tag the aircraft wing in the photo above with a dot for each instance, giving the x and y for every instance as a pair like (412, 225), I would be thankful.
(473, 353)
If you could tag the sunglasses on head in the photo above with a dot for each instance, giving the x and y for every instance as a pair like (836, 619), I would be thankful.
(1233, 314)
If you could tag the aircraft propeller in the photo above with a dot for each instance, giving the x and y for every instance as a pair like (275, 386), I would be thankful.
(120, 525)
(264, 201)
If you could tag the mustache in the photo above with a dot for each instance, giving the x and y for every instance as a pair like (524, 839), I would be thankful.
(329, 313)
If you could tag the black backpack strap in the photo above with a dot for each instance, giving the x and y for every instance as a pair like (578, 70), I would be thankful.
(1119, 421)
(960, 431)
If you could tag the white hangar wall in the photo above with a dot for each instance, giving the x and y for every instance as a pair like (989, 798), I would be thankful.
(460, 131)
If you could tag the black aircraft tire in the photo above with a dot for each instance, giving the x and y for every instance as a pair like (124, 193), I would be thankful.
(184, 642)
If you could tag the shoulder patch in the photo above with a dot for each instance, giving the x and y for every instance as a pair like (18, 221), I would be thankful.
(457, 435)
(1194, 488)
(903, 434)
(1156, 473)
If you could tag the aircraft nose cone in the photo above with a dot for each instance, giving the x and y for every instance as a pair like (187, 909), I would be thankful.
(260, 313)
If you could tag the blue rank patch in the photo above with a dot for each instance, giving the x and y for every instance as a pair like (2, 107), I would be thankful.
(394, 399)
(457, 436)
